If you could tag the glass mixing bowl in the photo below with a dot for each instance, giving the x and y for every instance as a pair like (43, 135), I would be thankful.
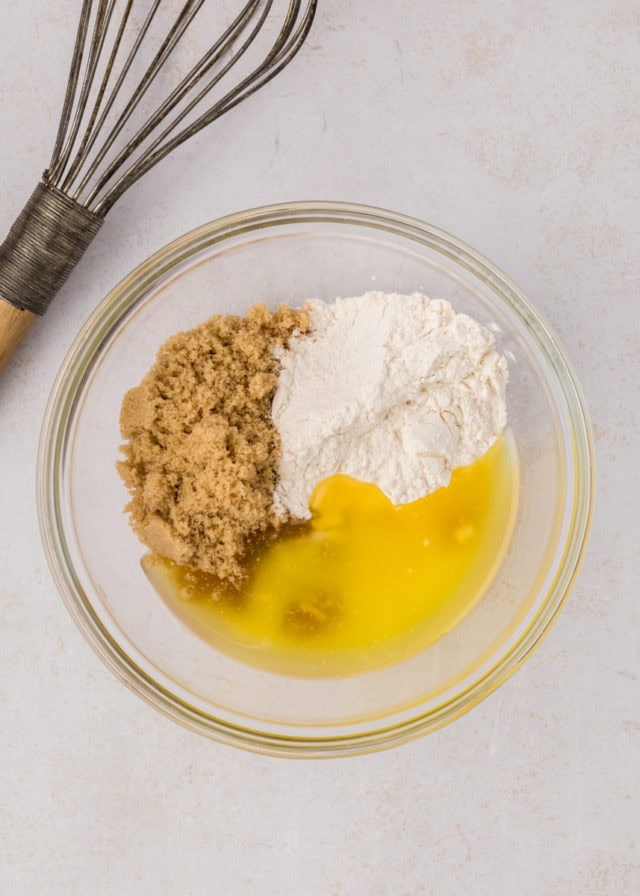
(288, 253)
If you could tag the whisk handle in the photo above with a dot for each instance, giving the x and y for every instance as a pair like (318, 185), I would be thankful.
(15, 323)
(44, 245)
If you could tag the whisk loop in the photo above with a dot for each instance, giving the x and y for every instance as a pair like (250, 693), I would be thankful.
(107, 141)
(81, 169)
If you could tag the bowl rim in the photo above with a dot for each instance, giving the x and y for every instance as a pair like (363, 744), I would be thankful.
(85, 350)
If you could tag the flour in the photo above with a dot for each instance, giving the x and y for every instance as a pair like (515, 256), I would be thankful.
(391, 389)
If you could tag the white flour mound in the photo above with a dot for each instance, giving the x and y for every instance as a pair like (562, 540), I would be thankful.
(391, 389)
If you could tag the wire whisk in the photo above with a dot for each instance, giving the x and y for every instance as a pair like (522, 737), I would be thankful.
(108, 138)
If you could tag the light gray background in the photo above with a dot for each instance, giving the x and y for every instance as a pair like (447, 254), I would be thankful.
(516, 126)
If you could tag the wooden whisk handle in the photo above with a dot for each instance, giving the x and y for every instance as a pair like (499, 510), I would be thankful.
(15, 323)
(44, 245)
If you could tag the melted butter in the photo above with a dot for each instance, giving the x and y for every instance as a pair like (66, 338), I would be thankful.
(365, 583)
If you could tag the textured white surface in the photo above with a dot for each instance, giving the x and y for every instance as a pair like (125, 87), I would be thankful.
(514, 124)
(422, 394)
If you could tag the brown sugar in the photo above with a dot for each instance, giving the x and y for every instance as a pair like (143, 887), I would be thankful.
(201, 449)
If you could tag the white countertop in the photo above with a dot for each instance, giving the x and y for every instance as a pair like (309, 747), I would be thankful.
(516, 126)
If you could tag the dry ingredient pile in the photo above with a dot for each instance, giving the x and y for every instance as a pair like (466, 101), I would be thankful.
(201, 449)
(396, 390)
(239, 419)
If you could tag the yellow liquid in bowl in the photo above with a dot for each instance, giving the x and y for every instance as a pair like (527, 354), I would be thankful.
(366, 583)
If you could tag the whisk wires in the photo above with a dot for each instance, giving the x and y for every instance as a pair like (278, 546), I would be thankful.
(88, 162)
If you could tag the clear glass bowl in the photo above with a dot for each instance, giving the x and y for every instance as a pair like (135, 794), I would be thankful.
(287, 253)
